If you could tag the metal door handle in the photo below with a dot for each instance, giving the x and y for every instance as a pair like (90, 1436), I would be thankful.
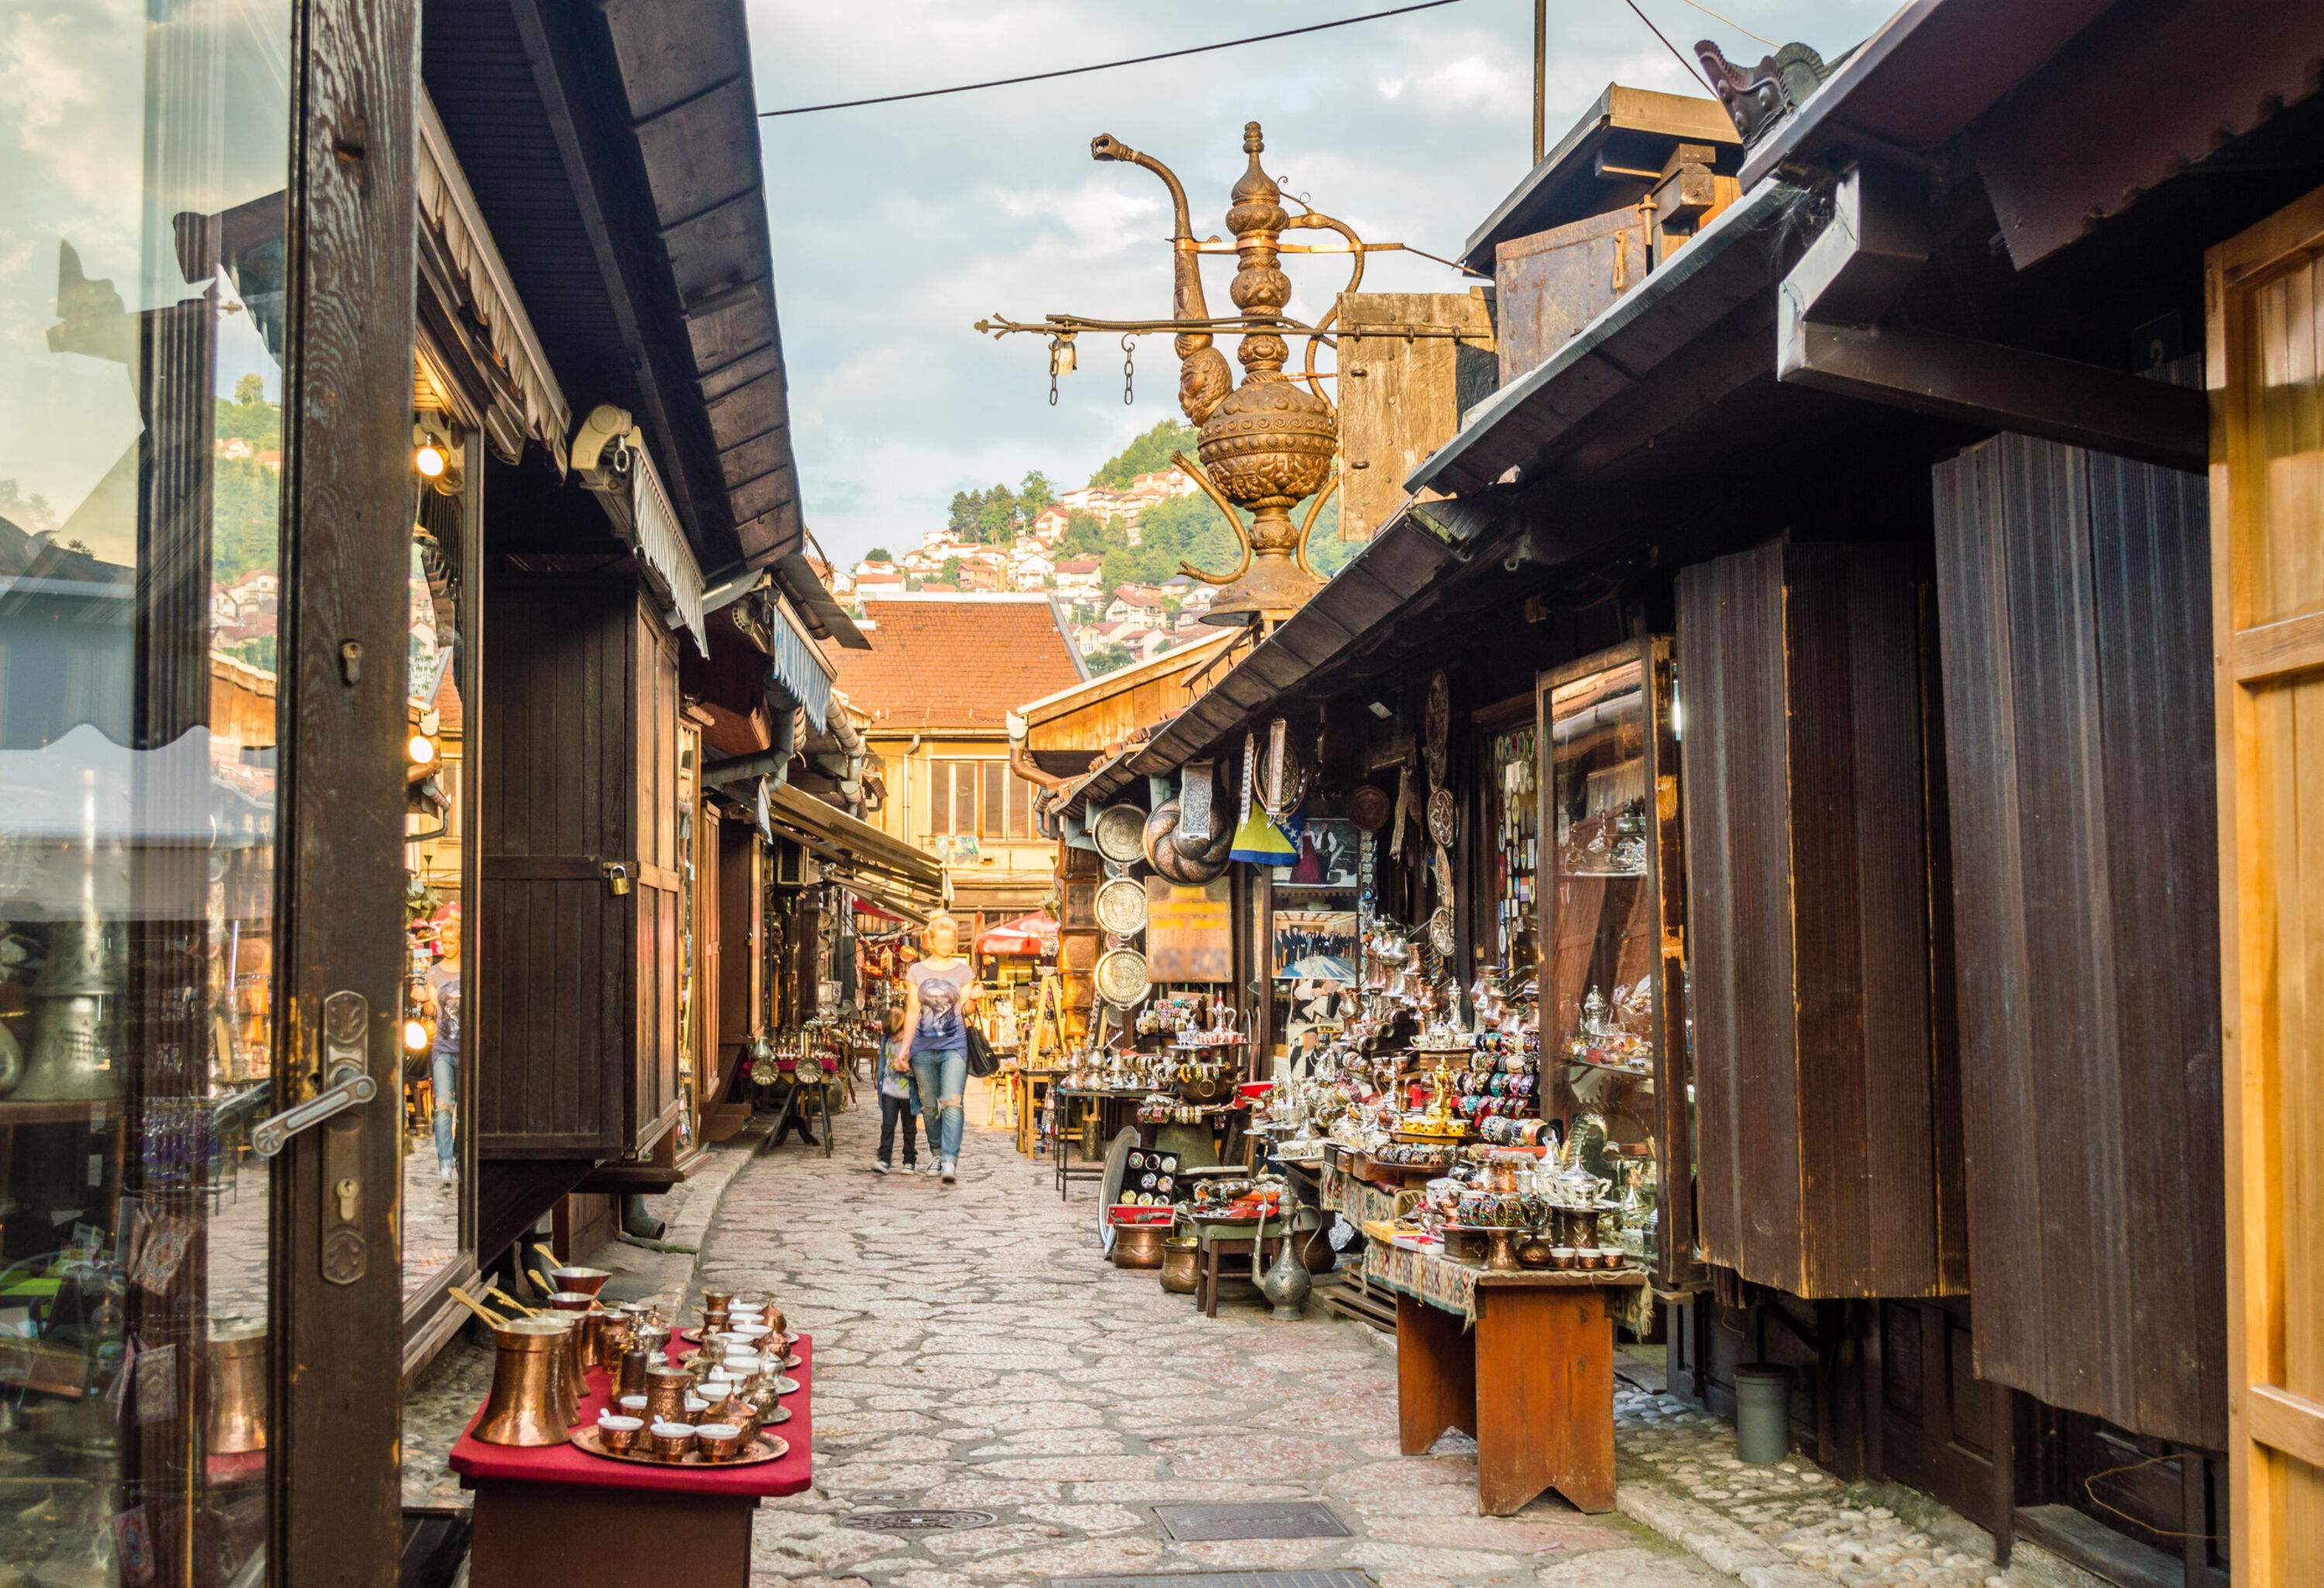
(347, 1019)
(349, 1086)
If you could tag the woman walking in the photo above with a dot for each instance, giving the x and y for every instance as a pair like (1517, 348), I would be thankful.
(935, 1014)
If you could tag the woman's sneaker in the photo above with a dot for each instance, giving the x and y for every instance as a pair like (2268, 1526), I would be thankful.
(951, 1171)
(880, 1167)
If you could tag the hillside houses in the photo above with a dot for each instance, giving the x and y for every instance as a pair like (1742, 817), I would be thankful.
(1142, 619)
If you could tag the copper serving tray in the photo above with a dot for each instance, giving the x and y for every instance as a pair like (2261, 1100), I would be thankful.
(764, 1447)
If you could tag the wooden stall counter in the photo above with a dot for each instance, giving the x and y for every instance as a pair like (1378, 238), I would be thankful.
(547, 1518)
(1532, 1381)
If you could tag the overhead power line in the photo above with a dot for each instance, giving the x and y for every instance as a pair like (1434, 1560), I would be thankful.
(1110, 65)
(1673, 49)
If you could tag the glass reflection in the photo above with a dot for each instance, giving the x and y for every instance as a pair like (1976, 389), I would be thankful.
(141, 457)
(436, 967)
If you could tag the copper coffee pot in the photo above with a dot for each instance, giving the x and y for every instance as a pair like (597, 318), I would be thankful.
(235, 1420)
(528, 1404)
(579, 1303)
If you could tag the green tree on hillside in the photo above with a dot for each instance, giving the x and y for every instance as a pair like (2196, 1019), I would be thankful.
(1085, 535)
(1034, 493)
(1108, 658)
(879, 554)
(950, 572)
(1146, 454)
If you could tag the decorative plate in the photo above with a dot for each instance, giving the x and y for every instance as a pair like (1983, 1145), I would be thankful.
(1443, 817)
(1368, 808)
(1121, 977)
(1440, 714)
(1121, 907)
(1119, 832)
(1440, 929)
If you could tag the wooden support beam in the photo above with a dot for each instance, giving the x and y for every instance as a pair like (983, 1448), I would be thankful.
(2005, 388)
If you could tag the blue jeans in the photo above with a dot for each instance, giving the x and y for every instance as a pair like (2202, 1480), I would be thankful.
(943, 1075)
(444, 1071)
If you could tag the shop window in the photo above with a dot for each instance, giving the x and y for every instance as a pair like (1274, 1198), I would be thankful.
(980, 797)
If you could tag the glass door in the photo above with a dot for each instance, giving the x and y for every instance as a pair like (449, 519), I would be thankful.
(1613, 970)
(142, 233)
(162, 1227)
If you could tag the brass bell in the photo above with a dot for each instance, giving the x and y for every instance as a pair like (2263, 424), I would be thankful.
(528, 1403)
(76, 1026)
(234, 1422)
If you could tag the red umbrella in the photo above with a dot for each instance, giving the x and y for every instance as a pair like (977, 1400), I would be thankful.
(1028, 934)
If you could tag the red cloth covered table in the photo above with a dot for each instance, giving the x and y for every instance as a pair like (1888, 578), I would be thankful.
(546, 1516)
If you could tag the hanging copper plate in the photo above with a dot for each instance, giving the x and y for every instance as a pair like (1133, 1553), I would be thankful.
(1121, 907)
(1443, 817)
(1121, 977)
(1440, 931)
(1368, 808)
(1118, 831)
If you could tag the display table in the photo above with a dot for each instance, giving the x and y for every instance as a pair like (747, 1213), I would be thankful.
(550, 1517)
(1541, 1345)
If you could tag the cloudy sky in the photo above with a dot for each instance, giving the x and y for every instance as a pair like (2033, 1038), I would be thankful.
(897, 226)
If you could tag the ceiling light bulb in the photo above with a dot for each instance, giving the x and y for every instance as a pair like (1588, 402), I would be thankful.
(422, 748)
(430, 460)
(415, 1035)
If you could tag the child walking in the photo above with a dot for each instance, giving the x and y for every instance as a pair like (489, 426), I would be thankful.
(896, 1099)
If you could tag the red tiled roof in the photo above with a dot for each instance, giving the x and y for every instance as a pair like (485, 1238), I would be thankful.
(954, 664)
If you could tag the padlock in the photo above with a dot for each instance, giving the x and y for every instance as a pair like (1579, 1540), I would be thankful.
(617, 877)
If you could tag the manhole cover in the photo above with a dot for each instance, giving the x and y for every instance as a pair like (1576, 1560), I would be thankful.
(919, 1521)
(1282, 1518)
(1332, 1579)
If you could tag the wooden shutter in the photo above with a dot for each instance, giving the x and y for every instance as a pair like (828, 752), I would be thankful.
(2264, 295)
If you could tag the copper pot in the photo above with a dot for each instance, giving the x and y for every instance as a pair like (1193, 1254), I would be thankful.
(1178, 1263)
(666, 1392)
(588, 1282)
(236, 1422)
(1138, 1246)
(528, 1403)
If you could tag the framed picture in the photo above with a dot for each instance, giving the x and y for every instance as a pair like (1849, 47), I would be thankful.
(1317, 945)
(1327, 857)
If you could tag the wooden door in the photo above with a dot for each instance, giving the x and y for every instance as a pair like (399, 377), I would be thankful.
(2263, 294)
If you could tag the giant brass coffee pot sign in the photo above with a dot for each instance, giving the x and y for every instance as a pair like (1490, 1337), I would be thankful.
(1268, 443)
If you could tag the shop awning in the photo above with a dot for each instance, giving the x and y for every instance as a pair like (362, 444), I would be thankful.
(610, 458)
(799, 666)
(856, 853)
(532, 401)
(1028, 934)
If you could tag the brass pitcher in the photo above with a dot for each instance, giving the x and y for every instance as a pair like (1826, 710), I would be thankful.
(235, 1423)
(528, 1405)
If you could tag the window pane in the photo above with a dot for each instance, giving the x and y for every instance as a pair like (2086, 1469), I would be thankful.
(1021, 807)
(996, 780)
(939, 798)
(964, 796)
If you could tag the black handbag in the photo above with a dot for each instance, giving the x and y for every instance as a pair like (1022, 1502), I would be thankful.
(982, 1061)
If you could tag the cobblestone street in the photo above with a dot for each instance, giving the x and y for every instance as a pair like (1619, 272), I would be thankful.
(972, 1350)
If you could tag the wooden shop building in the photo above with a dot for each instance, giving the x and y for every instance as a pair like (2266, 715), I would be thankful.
(1885, 569)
